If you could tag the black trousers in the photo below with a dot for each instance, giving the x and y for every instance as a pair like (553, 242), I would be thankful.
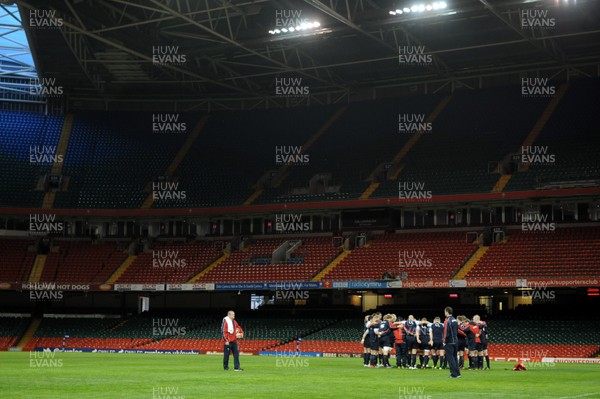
(451, 351)
(231, 348)
(401, 354)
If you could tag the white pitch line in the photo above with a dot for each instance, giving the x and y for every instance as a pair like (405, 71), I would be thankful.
(580, 396)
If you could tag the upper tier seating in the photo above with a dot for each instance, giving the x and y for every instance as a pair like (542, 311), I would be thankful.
(19, 132)
(475, 129)
(362, 138)
(112, 158)
(571, 135)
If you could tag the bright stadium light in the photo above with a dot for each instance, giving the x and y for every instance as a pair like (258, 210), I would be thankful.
(419, 8)
(304, 26)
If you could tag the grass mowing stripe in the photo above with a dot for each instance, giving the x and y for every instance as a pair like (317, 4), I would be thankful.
(146, 376)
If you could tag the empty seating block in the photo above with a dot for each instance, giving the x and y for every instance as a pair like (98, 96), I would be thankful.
(17, 260)
(83, 262)
(419, 255)
(529, 254)
(317, 253)
(171, 262)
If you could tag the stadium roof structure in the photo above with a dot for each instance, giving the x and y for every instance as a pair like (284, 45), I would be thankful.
(216, 54)
(17, 69)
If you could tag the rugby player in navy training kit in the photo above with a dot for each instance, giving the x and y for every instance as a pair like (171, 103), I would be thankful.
(410, 327)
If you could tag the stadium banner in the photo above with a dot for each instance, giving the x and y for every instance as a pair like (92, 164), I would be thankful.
(301, 285)
(426, 283)
(533, 283)
(191, 287)
(139, 287)
(290, 354)
(458, 283)
(570, 360)
(51, 286)
(359, 219)
(115, 350)
(55, 287)
(327, 354)
(359, 284)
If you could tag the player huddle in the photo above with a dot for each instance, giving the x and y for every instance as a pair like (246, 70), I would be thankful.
(412, 338)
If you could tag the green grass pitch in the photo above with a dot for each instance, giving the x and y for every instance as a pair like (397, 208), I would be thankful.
(143, 376)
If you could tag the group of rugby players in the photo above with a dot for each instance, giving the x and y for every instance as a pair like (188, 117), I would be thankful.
(411, 338)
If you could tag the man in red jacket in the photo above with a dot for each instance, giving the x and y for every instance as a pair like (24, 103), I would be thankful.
(231, 332)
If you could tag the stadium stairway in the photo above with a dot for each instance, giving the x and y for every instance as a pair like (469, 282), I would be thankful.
(181, 154)
(415, 137)
(283, 171)
(331, 265)
(253, 197)
(37, 269)
(61, 149)
(31, 329)
(533, 134)
(370, 190)
(119, 272)
(210, 267)
(470, 263)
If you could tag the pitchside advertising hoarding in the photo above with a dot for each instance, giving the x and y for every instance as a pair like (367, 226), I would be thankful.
(310, 285)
